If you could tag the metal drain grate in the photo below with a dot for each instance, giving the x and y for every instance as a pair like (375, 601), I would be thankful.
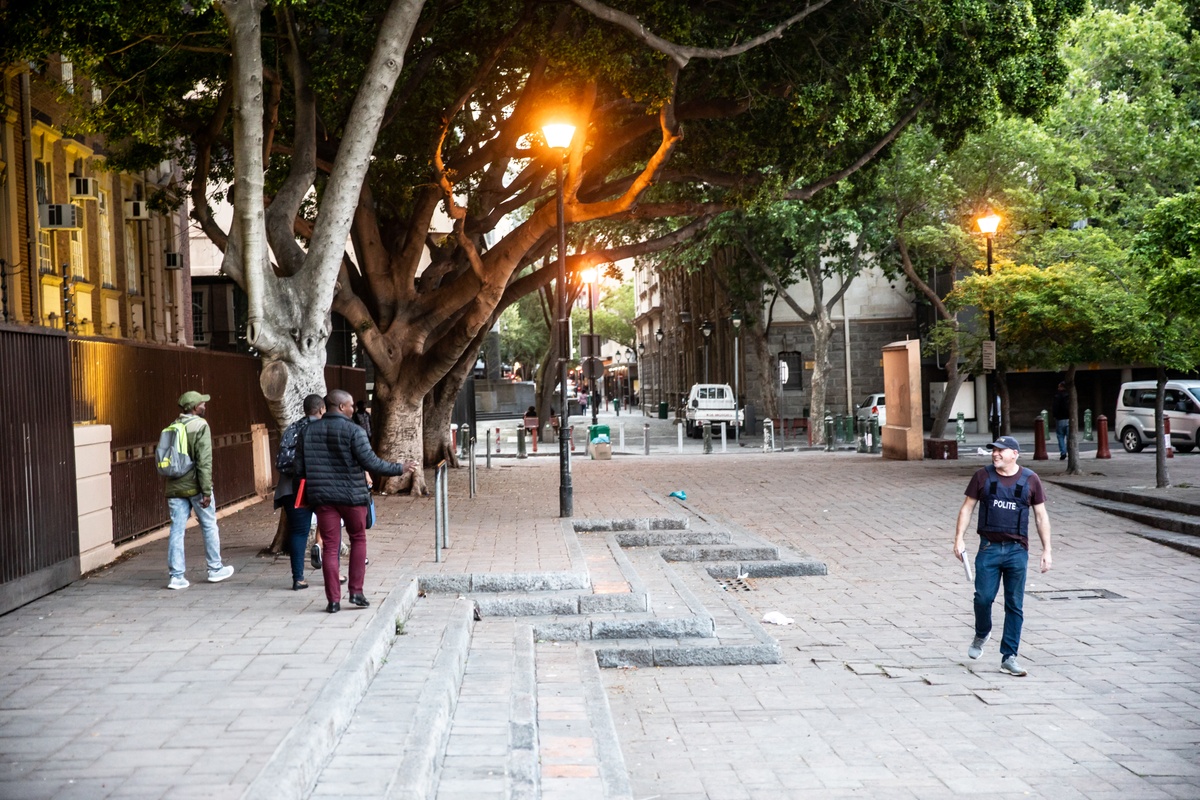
(1076, 594)
(736, 584)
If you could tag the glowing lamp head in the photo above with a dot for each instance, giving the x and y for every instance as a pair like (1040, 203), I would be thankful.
(558, 134)
(988, 223)
(588, 276)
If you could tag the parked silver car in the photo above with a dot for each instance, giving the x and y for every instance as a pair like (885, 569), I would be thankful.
(873, 404)
(1135, 414)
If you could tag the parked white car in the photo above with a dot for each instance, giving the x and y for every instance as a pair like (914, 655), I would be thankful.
(713, 403)
(872, 405)
(1135, 414)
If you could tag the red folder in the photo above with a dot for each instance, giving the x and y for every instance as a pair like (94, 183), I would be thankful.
(300, 494)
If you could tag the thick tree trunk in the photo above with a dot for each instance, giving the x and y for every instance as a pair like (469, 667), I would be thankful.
(1005, 408)
(439, 409)
(1072, 434)
(822, 332)
(954, 382)
(400, 434)
(768, 380)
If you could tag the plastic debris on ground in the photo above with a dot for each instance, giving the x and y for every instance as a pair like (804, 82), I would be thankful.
(679, 495)
(775, 618)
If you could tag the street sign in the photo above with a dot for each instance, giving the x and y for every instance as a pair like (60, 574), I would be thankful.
(989, 355)
(791, 371)
(783, 372)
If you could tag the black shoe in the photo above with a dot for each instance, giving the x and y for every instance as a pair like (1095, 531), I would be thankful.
(359, 600)
(314, 557)
(333, 608)
(298, 585)
(1062, 456)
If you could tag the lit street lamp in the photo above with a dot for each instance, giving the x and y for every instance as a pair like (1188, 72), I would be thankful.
(706, 328)
(988, 225)
(558, 138)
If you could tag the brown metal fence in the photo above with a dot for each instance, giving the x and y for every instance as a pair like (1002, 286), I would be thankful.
(135, 389)
(39, 536)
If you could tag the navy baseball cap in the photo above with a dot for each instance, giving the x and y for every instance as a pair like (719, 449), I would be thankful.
(1005, 443)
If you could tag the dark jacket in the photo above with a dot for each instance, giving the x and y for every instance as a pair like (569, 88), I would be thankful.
(331, 456)
(1060, 407)
(285, 490)
(199, 479)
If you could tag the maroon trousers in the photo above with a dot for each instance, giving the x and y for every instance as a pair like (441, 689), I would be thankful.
(329, 523)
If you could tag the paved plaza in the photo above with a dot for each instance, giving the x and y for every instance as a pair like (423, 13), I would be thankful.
(116, 687)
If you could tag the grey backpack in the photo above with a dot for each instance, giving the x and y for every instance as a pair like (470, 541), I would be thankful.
(171, 457)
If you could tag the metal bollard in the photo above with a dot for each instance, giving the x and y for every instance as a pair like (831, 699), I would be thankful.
(521, 442)
(707, 437)
(828, 432)
(679, 434)
(471, 462)
(876, 440)
(646, 438)
(441, 512)
(464, 438)
(621, 434)
(1039, 438)
(861, 434)
(1087, 425)
(768, 436)
(571, 436)
(1102, 450)
(497, 440)
(487, 451)
(723, 437)
(1045, 419)
(533, 438)
(960, 428)
(1167, 436)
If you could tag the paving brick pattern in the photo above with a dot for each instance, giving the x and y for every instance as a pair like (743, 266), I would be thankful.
(115, 687)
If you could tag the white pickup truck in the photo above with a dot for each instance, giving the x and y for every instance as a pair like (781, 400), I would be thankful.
(713, 403)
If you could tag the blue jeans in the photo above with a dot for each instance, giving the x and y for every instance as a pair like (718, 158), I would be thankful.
(995, 561)
(181, 508)
(1062, 427)
(299, 524)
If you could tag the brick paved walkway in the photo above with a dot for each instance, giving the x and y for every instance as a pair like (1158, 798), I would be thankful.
(115, 687)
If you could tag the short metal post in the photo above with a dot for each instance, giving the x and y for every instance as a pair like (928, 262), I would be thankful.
(497, 440)
(679, 432)
(768, 436)
(621, 430)
(471, 461)
(487, 451)
(960, 428)
(646, 438)
(571, 436)
(861, 435)
(1167, 436)
(521, 442)
(445, 506)
(533, 436)
(464, 435)
(439, 522)
(828, 432)
(876, 443)
(723, 437)
(707, 432)
(1039, 438)
(1087, 425)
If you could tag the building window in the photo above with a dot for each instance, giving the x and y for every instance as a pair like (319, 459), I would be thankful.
(199, 317)
(68, 77)
(45, 239)
(105, 237)
(133, 281)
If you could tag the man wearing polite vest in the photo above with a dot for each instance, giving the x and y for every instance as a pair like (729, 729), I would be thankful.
(1005, 494)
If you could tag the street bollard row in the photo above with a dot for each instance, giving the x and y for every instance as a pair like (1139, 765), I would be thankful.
(441, 511)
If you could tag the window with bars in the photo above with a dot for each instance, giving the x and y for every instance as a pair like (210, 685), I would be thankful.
(45, 240)
(105, 239)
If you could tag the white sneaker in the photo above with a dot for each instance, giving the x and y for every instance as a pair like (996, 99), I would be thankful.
(178, 583)
(1013, 667)
(976, 648)
(220, 575)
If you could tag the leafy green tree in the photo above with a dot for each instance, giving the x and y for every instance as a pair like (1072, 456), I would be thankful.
(333, 140)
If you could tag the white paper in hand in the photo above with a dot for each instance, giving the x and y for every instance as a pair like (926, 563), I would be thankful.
(966, 562)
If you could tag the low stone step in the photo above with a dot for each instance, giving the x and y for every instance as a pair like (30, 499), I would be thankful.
(1180, 541)
(394, 744)
(622, 626)
(672, 538)
(769, 569)
(632, 524)
(525, 604)
(1175, 500)
(1172, 521)
(504, 582)
(721, 553)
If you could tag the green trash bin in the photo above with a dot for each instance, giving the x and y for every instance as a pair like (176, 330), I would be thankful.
(662, 410)
(596, 430)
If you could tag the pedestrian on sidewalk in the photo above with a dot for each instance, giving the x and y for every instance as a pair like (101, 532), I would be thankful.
(299, 518)
(193, 491)
(362, 417)
(332, 458)
(1060, 407)
(1008, 493)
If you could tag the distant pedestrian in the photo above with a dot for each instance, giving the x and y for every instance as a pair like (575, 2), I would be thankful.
(194, 492)
(332, 457)
(1060, 407)
(1008, 493)
(362, 417)
(299, 520)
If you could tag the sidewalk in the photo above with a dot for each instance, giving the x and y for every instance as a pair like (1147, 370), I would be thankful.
(116, 687)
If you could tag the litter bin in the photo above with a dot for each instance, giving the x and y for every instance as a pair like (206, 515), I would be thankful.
(597, 430)
(662, 410)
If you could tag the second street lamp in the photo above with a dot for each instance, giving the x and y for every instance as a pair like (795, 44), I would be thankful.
(558, 138)
(736, 319)
(658, 337)
(706, 328)
(988, 225)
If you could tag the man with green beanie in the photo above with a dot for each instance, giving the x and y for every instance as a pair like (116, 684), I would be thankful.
(193, 491)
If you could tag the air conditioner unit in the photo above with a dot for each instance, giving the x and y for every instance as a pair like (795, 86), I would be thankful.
(84, 188)
(60, 216)
(137, 209)
(174, 261)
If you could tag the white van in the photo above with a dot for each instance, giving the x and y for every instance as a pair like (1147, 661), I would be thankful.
(1134, 423)
(713, 403)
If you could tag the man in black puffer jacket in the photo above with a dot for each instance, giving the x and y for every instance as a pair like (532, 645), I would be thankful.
(332, 456)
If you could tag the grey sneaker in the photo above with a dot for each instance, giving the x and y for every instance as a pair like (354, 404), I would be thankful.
(1013, 667)
(220, 575)
(976, 648)
(178, 583)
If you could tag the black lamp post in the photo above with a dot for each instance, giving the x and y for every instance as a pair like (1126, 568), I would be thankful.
(988, 225)
(641, 378)
(658, 337)
(736, 319)
(628, 379)
(706, 328)
(558, 138)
